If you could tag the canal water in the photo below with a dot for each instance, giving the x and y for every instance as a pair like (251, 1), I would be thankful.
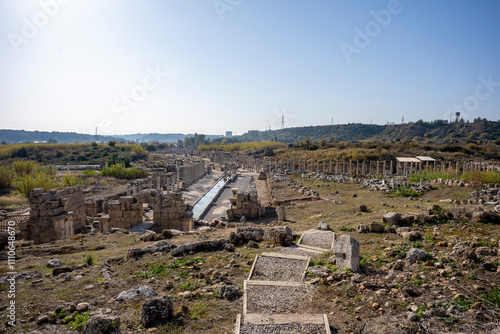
(208, 197)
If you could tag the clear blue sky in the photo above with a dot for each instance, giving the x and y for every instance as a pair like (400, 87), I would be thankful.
(241, 64)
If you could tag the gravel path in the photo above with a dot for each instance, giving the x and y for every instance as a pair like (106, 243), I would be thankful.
(318, 239)
(299, 251)
(271, 299)
(269, 268)
(283, 329)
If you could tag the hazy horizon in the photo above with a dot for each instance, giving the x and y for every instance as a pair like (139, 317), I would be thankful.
(153, 66)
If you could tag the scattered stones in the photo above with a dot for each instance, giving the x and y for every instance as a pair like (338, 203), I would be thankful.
(149, 236)
(229, 292)
(100, 323)
(392, 218)
(144, 290)
(411, 236)
(363, 208)
(157, 311)
(54, 263)
(81, 307)
(137, 253)
(280, 236)
(200, 246)
(252, 244)
(323, 226)
(376, 227)
(415, 255)
(363, 228)
(61, 270)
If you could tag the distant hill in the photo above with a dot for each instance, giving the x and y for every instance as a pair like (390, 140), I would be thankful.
(162, 137)
(437, 131)
(21, 136)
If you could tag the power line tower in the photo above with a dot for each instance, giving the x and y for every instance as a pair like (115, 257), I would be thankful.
(96, 130)
(282, 121)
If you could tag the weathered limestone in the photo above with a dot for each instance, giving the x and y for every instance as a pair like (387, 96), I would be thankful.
(157, 311)
(192, 172)
(346, 251)
(245, 204)
(169, 211)
(125, 212)
(55, 215)
(281, 213)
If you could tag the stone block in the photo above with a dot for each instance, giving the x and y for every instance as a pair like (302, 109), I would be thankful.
(346, 250)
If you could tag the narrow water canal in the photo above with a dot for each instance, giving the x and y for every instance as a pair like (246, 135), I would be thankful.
(207, 198)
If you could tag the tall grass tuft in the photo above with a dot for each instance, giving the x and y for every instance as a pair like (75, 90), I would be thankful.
(255, 145)
(24, 167)
(482, 177)
(429, 175)
(25, 184)
(406, 192)
(120, 172)
(6, 177)
(72, 180)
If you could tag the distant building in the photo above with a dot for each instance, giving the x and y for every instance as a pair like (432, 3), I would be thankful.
(229, 134)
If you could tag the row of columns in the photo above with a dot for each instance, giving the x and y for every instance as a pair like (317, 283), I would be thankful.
(363, 167)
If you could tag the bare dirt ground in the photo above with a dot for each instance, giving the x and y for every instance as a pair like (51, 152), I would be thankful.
(459, 297)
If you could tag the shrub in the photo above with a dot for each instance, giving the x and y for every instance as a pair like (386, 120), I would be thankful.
(82, 157)
(6, 176)
(89, 172)
(120, 172)
(80, 320)
(89, 259)
(25, 167)
(492, 177)
(430, 175)
(138, 150)
(189, 285)
(406, 192)
(25, 184)
(71, 181)
(112, 143)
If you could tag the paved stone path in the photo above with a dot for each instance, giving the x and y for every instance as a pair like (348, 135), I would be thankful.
(275, 296)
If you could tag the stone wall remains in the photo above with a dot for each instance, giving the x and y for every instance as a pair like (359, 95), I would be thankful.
(54, 213)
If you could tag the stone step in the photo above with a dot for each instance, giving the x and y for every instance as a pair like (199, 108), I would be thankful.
(320, 240)
(278, 323)
(303, 251)
(271, 297)
(279, 267)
